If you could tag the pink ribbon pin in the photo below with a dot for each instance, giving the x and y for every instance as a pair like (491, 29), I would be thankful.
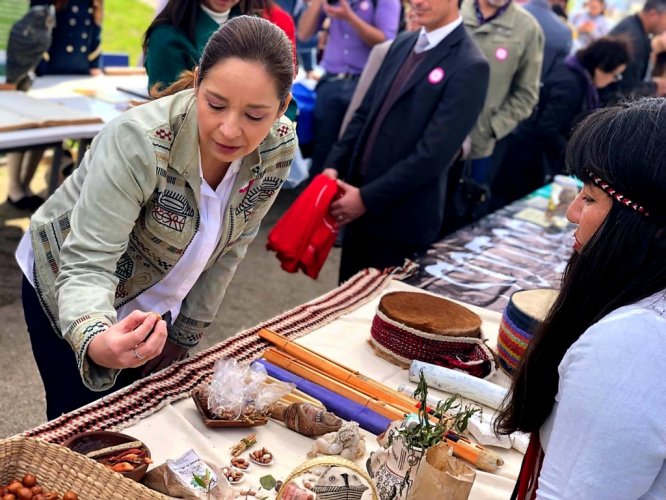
(436, 76)
(501, 54)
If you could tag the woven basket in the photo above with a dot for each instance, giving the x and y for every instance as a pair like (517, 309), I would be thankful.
(59, 469)
(330, 460)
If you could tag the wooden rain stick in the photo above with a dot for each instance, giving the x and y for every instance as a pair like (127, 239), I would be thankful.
(293, 365)
(341, 373)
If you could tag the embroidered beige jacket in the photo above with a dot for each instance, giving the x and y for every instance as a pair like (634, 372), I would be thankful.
(124, 218)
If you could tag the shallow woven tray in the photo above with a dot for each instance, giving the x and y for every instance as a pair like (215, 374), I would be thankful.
(59, 469)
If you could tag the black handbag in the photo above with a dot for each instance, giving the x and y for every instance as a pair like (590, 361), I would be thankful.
(466, 199)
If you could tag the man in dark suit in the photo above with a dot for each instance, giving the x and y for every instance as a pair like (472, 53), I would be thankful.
(394, 158)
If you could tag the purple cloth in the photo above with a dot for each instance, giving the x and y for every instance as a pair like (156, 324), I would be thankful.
(592, 94)
(344, 408)
(345, 51)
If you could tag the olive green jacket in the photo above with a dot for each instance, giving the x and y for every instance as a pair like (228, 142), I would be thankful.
(120, 223)
(513, 45)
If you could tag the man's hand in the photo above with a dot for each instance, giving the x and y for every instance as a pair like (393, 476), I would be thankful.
(341, 11)
(124, 345)
(331, 173)
(348, 206)
(170, 354)
(658, 44)
(661, 85)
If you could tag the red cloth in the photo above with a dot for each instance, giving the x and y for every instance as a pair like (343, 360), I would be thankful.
(528, 478)
(283, 20)
(304, 235)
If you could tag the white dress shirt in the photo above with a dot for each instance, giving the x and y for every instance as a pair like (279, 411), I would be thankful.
(436, 36)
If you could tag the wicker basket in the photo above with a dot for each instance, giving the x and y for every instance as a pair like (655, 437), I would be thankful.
(59, 469)
(330, 460)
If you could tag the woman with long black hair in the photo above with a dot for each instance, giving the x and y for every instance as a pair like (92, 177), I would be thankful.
(589, 386)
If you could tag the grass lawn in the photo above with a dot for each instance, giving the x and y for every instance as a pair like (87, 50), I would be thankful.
(125, 22)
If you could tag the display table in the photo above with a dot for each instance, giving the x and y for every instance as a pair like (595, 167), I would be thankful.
(93, 96)
(158, 410)
(515, 248)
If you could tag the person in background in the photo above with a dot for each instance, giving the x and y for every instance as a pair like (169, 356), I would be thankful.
(306, 50)
(570, 92)
(76, 43)
(513, 43)
(128, 262)
(597, 359)
(75, 50)
(355, 27)
(645, 34)
(558, 37)
(377, 55)
(174, 41)
(590, 24)
(557, 45)
(394, 158)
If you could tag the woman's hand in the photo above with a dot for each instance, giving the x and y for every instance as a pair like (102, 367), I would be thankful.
(124, 345)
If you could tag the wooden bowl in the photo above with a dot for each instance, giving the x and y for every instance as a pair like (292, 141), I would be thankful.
(95, 440)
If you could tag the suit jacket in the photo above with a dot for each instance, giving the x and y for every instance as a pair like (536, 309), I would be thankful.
(404, 184)
(633, 83)
(557, 35)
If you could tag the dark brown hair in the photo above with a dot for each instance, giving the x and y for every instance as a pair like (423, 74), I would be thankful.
(248, 39)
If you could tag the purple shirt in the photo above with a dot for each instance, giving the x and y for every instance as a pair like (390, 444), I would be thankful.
(345, 51)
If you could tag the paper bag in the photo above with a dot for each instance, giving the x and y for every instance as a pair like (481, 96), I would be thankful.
(174, 478)
(442, 476)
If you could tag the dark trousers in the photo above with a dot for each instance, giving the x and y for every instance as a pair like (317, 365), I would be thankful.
(333, 98)
(360, 251)
(57, 364)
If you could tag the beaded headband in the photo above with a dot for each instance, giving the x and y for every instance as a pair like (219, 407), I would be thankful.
(613, 193)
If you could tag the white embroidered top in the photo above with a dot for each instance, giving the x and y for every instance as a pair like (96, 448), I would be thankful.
(606, 436)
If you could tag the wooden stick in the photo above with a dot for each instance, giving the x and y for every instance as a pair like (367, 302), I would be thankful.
(113, 449)
(341, 373)
(294, 398)
(303, 396)
(293, 365)
(475, 454)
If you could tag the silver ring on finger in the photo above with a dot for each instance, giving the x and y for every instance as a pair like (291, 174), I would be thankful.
(137, 355)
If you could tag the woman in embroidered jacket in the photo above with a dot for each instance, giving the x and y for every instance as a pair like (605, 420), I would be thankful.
(157, 219)
(589, 388)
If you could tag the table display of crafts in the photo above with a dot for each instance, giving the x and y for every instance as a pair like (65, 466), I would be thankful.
(425, 451)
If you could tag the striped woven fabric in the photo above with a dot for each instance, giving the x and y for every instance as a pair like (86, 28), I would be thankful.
(511, 343)
(148, 395)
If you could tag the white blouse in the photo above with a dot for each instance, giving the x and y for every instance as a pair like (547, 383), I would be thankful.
(606, 436)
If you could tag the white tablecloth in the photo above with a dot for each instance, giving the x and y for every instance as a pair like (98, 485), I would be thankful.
(178, 427)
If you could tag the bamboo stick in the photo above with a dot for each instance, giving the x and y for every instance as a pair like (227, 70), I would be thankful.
(303, 397)
(340, 372)
(287, 362)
